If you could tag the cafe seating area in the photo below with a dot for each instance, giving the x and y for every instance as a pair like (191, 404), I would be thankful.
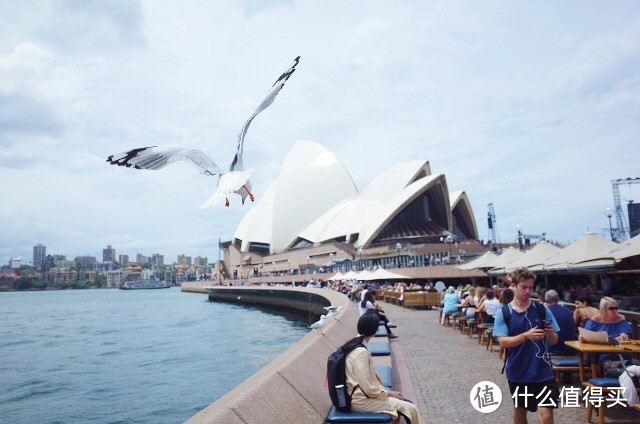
(580, 372)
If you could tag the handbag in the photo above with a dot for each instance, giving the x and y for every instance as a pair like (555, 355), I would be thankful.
(614, 369)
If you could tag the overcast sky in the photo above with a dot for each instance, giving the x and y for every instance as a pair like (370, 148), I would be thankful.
(533, 106)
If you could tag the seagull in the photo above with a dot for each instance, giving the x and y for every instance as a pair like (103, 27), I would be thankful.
(236, 180)
(319, 324)
(334, 311)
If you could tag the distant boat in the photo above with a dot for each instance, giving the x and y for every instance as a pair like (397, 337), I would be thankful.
(144, 284)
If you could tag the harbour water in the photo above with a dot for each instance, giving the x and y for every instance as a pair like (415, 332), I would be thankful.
(141, 356)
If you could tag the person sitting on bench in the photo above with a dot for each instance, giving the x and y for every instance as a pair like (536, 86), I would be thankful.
(369, 394)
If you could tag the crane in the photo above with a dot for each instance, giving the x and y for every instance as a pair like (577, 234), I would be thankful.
(620, 233)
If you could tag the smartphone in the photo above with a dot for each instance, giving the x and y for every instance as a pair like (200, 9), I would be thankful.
(546, 323)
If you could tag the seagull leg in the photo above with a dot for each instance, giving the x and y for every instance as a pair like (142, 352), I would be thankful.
(226, 202)
(250, 194)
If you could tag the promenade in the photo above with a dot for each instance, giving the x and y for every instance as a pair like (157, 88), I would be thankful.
(444, 366)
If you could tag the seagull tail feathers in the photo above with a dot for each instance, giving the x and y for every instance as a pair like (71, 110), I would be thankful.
(216, 199)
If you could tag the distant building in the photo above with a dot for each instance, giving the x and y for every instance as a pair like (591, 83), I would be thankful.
(157, 260)
(63, 263)
(109, 254)
(201, 262)
(15, 263)
(86, 262)
(39, 255)
(184, 260)
(123, 260)
(115, 278)
(141, 259)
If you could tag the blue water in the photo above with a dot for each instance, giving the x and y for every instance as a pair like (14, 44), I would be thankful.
(114, 356)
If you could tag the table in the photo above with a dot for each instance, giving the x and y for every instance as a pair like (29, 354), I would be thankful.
(594, 349)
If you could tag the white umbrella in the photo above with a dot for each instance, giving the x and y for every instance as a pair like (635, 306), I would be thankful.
(336, 277)
(349, 276)
(478, 262)
(534, 257)
(588, 247)
(383, 274)
(365, 275)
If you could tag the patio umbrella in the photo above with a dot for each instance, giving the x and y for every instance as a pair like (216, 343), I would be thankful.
(478, 262)
(383, 274)
(589, 247)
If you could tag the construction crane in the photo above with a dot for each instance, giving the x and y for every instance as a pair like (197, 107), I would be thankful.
(620, 233)
(493, 229)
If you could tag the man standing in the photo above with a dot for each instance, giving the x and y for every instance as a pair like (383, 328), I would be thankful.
(564, 318)
(526, 337)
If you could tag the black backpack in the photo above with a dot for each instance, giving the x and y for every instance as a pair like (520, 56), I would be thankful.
(506, 314)
(337, 379)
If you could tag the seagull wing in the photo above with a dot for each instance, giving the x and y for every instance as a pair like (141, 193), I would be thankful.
(236, 163)
(157, 157)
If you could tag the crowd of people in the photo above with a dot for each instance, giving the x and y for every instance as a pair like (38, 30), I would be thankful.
(532, 332)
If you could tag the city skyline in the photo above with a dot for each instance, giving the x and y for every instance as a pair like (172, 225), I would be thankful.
(532, 107)
(40, 247)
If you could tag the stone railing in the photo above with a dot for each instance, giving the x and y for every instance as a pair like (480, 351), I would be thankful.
(290, 388)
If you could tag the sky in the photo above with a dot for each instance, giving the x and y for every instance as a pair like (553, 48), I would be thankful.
(531, 106)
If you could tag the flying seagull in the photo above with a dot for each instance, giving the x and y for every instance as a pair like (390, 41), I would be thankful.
(319, 324)
(236, 180)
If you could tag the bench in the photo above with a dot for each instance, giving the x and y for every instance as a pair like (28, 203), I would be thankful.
(421, 299)
(337, 417)
(384, 372)
(380, 348)
(382, 332)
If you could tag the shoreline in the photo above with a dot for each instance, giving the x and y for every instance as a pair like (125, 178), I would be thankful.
(290, 388)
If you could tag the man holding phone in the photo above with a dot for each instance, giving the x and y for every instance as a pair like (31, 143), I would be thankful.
(527, 336)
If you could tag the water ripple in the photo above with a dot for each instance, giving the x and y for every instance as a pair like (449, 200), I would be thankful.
(109, 356)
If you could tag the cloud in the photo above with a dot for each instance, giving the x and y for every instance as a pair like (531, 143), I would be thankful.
(531, 107)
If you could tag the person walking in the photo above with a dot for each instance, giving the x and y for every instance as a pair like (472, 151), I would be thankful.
(526, 335)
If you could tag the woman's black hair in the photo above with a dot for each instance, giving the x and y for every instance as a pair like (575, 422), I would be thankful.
(368, 297)
(583, 300)
(367, 326)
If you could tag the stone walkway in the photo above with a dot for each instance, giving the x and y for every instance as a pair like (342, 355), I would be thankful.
(445, 365)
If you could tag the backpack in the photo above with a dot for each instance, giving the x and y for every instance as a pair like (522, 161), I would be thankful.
(506, 314)
(337, 379)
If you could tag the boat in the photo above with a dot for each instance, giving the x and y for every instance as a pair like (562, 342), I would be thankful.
(144, 284)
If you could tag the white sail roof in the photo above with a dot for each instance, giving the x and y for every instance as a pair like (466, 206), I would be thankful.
(314, 199)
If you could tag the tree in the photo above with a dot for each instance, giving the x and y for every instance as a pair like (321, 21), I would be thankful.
(22, 283)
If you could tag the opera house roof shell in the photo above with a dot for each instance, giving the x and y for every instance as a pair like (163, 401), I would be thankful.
(314, 201)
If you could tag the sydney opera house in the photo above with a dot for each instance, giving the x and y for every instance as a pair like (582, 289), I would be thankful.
(313, 218)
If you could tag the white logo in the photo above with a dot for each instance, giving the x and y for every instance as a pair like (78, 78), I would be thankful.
(485, 397)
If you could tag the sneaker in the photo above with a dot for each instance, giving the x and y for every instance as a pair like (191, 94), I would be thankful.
(393, 336)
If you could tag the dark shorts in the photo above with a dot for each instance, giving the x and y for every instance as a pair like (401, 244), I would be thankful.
(531, 395)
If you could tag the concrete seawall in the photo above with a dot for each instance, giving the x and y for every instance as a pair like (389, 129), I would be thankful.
(290, 388)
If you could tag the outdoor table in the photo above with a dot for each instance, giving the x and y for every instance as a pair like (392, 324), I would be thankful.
(594, 349)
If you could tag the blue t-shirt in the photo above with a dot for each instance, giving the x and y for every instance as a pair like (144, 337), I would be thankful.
(526, 363)
(564, 318)
(613, 330)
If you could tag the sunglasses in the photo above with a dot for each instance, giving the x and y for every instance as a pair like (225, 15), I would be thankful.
(613, 308)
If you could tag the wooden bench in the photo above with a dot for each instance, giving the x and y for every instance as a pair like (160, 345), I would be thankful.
(421, 299)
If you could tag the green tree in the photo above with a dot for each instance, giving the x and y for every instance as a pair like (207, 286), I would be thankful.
(40, 285)
(101, 281)
(22, 283)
